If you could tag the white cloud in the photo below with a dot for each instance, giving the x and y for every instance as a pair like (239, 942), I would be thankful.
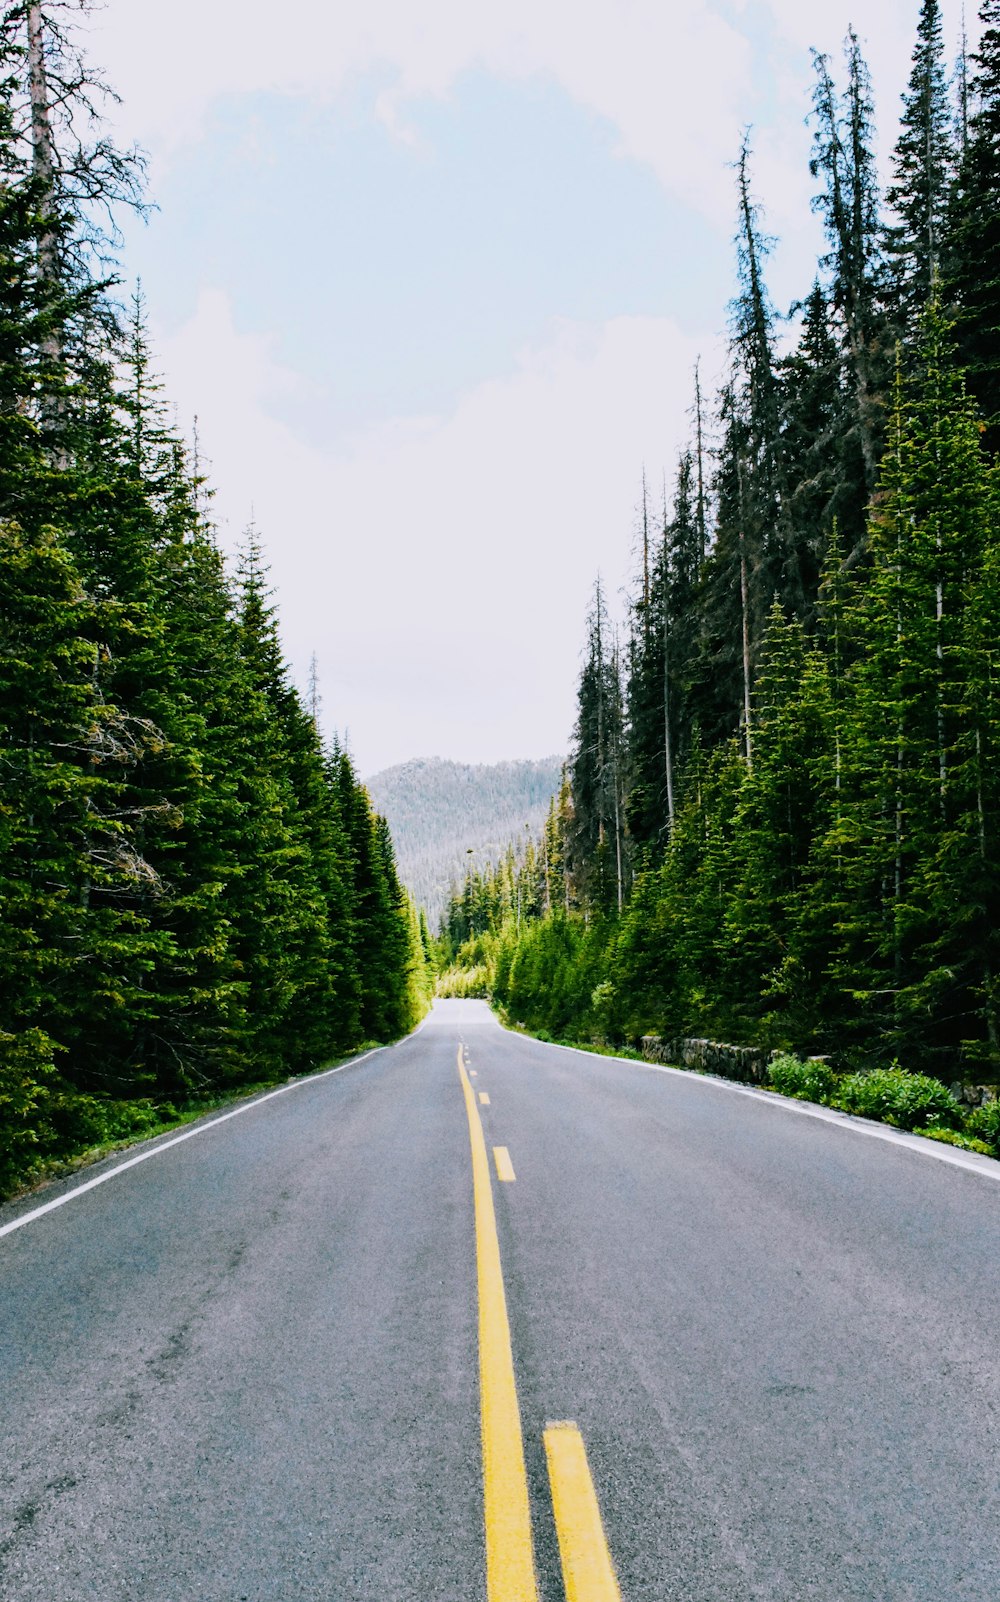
(678, 82)
(674, 80)
(441, 566)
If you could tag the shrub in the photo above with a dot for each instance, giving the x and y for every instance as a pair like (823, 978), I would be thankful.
(81, 1121)
(951, 1137)
(984, 1124)
(463, 982)
(27, 1074)
(806, 1081)
(908, 1101)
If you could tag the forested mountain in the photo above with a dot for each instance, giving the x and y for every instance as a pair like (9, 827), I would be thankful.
(195, 892)
(438, 811)
(782, 820)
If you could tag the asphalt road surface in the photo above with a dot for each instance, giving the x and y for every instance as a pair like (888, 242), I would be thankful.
(313, 1351)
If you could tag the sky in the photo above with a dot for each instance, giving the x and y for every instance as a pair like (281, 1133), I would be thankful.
(433, 280)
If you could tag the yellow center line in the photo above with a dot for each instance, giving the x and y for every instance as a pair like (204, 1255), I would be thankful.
(588, 1575)
(505, 1168)
(510, 1567)
(484, 1099)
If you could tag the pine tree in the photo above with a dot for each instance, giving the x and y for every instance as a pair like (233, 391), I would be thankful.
(923, 166)
(770, 958)
(843, 157)
(596, 769)
(768, 546)
(721, 674)
(283, 932)
(971, 268)
(823, 469)
(381, 947)
(914, 842)
(662, 651)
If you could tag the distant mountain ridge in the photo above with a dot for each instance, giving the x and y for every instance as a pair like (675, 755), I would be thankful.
(437, 810)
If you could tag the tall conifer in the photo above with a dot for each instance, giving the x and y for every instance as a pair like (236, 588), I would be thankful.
(972, 251)
(923, 167)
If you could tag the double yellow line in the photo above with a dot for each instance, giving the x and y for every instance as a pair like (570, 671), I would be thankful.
(588, 1574)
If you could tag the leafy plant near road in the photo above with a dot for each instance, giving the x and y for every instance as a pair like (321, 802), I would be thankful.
(910, 1101)
(805, 1081)
(951, 1137)
(984, 1125)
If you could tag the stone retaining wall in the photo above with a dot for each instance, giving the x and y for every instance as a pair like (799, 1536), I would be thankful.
(746, 1064)
(973, 1095)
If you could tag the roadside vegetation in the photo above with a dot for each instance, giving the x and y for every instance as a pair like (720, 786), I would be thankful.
(68, 1131)
(779, 825)
(915, 1102)
(196, 893)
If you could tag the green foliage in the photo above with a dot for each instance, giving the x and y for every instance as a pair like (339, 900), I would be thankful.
(779, 825)
(971, 254)
(983, 1123)
(923, 171)
(464, 983)
(805, 1081)
(893, 1096)
(951, 1137)
(80, 1122)
(556, 967)
(196, 893)
(27, 1077)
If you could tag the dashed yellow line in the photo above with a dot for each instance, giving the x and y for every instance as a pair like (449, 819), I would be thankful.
(510, 1567)
(588, 1575)
(505, 1168)
(484, 1099)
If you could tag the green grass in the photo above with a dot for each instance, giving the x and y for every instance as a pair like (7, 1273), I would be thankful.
(952, 1137)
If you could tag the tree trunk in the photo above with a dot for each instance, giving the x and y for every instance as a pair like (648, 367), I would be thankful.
(667, 745)
(43, 163)
(745, 609)
(700, 451)
(645, 557)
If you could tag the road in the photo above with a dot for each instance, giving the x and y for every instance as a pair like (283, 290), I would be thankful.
(248, 1369)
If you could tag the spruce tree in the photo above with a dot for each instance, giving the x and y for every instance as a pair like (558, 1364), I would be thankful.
(971, 269)
(923, 166)
(823, 467)
(596, 768)
(282, 924)
(662, 651)
(915, 840)
(848, 203)
(770, 957)
(381, 943)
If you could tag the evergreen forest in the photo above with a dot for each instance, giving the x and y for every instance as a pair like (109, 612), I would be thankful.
(780, 821)
(445, 814)
(196, 893)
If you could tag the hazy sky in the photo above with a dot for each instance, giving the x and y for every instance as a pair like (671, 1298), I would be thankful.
(434, 279)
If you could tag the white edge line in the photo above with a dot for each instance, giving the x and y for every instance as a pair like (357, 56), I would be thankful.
(971, 1161)
(199, 1128)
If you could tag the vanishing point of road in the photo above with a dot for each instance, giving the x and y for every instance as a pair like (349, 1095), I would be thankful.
(480, 1319)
